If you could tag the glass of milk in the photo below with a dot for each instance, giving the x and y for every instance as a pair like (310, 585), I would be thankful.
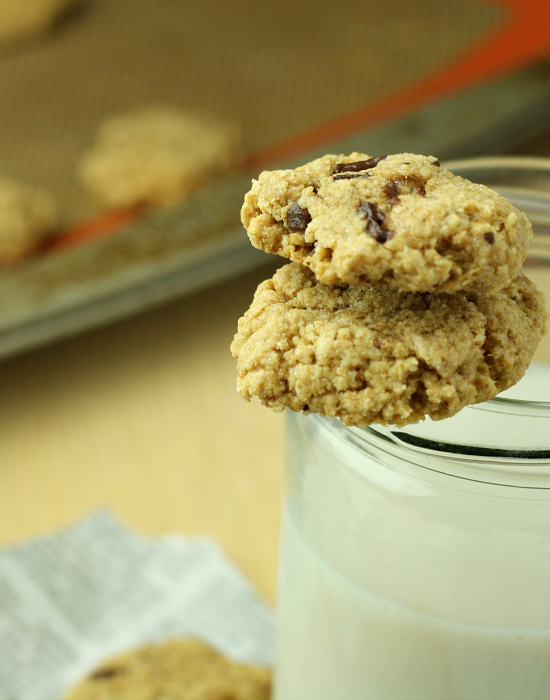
(415, 562)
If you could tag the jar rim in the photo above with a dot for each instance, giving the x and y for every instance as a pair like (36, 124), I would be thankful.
(511, 406)
(498, 162)
(458, 460)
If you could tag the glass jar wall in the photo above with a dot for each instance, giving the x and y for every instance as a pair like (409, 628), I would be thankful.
(415, 561)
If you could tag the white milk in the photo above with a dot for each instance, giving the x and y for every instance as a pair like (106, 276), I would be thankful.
(453, 634)
(341, 642)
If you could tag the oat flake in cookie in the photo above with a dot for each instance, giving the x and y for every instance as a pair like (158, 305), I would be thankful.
(402, 221)
(375, 355)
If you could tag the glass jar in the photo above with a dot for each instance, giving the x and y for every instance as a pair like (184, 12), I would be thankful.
(415, 561)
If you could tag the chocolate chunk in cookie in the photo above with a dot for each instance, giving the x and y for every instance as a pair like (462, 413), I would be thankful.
(297, 218)
(375, 222)
(376, 355)
(427, 229)
(357, 165)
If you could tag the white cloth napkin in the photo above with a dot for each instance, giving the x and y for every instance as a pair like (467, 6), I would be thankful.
(72, 598)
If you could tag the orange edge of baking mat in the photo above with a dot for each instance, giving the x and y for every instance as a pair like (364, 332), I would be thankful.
(99, 226)
(524, 37)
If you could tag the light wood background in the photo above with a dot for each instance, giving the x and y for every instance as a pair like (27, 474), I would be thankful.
(144, 417)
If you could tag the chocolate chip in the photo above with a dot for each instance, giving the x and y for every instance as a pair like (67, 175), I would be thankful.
(297, 218)
(107, 672)
(350, 176)
(375, 222)
(391, 190)
(412, 183)
(489, 237)
(357, 165)
(436, 163)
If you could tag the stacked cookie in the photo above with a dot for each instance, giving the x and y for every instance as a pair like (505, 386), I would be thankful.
(405, 297)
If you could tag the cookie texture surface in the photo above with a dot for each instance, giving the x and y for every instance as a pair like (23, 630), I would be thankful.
(402, 221)
(156, 156)
(181, 669)
(23, 18)
(27, 217)
(377, 355)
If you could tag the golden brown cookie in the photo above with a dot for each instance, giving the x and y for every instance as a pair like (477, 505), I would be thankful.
(155, 155)
(27, 217)
(376, 355)
(181, 669)
(23, 18)
(401, 221)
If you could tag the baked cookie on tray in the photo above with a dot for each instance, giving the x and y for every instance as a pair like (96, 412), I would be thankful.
(155, 155)
(28, 216)
(23, 18)
(371, 354)
(180, 669)
(402, 221)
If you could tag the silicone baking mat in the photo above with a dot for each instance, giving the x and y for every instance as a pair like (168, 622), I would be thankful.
(277, 69)
(296, 78)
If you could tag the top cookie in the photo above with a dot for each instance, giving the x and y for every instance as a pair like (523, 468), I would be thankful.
(401, 221)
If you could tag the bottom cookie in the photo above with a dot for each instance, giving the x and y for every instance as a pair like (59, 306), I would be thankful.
(376, 355)
(180, 669)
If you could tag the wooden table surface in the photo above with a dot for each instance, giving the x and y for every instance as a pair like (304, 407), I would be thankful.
(143, 417)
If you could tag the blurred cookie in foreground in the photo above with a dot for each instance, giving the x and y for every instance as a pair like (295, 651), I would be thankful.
(156, 156)
(376, 355)
(403, 221)
(180, 669)
(28, 216)
(20, 19)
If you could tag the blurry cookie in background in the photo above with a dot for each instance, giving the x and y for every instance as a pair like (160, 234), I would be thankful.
(20, 19)
(155, 156)
(28, 216)
(181, 669)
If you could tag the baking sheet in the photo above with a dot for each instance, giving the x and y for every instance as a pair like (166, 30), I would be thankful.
(276, 70)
